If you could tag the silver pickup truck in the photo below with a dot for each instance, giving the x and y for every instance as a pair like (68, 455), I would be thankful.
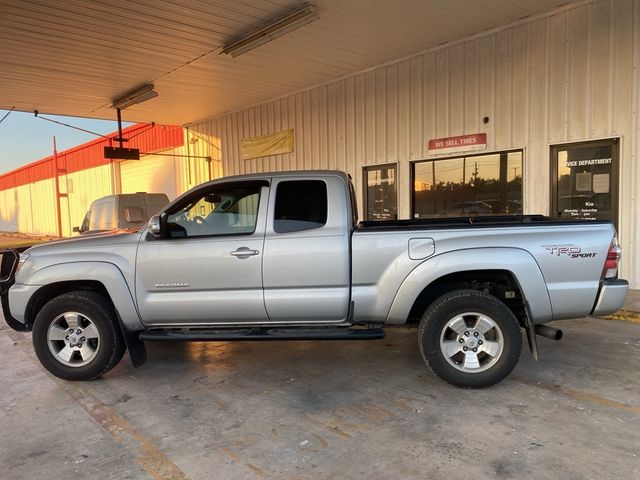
(282, 257)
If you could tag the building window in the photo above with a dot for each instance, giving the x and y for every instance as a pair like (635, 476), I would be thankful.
(585, 180)
(380, 193)
(474, 185)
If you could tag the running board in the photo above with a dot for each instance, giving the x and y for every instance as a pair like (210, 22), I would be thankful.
(249, 334)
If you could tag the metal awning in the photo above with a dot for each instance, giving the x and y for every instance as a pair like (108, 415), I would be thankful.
(73, 57)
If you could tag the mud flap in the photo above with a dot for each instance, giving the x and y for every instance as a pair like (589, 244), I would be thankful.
(531, 333)
(135, 346)
(12, 322)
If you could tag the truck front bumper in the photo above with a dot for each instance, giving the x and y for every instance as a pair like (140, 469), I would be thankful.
(610, 297)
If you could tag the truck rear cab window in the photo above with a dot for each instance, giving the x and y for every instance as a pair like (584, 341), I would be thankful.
(300, 205)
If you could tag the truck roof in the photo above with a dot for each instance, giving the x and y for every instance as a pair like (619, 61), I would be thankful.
(121, 195)
(288, 173)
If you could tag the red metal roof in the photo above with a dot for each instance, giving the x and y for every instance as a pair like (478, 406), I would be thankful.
(147, 138)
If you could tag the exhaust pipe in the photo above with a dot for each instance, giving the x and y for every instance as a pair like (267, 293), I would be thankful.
(549, 332)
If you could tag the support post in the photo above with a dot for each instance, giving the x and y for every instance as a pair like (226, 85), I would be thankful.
(119, 127)
(57, 178)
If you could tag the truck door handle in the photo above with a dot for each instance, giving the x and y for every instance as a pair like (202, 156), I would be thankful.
(244, 252)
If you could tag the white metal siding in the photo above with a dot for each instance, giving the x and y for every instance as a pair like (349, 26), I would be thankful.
(29, 208)
(83, 187)
(42, 201)
(9, 210)
(32, 208)
(565, 77)
(153, 174)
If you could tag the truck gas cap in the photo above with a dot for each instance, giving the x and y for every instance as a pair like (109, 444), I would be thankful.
(421, 248)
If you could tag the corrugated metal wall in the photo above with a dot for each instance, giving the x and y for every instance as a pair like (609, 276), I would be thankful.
(82, 188)
(153, 174)
(40, 198)
(565, 77)
(8, 210)
(193, 168)
(27, 195)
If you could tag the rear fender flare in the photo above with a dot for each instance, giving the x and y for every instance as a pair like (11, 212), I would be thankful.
(517, 261)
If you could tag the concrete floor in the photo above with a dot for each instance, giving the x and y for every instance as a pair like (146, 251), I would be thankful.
(298, 410)
(632, 302)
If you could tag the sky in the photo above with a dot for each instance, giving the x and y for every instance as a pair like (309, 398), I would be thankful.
(24, 138)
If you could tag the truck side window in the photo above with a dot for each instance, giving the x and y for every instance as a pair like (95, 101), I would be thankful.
(221, 211)
(300, 205)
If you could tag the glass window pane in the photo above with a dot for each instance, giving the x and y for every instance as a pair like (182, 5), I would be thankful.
(104, 216)
(477, 185)
(449, 173)
(300, 205)
(381, 193)
(483, 169)
(228, 211)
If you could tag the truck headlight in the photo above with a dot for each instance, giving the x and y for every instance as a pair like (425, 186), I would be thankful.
(21, 259)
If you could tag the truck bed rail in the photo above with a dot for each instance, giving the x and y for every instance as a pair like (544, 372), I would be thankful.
(480, 221)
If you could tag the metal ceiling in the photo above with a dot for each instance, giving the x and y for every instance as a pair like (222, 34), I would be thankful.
(73, 57)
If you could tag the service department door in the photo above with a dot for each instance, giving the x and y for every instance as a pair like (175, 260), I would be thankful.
(585, 180)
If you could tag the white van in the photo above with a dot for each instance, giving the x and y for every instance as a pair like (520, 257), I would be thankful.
(121, 211)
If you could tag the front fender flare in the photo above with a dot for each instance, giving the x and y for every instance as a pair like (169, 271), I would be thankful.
(108, 274)
(111, 277)
(517, 261)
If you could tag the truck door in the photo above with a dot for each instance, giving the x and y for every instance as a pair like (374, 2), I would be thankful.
(207, 267)
(306, 265)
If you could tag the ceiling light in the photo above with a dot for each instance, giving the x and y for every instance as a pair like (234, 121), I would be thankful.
(134, 97)
(275, 29)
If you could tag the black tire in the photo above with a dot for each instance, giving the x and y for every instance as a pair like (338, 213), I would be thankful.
(109, 346)
(436, 328)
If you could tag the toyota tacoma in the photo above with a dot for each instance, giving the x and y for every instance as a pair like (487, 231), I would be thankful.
(282, 256)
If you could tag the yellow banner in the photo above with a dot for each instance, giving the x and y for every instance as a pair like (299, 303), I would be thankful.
(265, 145)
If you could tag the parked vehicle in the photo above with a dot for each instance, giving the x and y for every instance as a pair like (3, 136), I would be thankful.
(472, 207)
(121, 211)
(282, 257)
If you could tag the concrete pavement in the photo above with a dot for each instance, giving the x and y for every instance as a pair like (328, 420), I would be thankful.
(632, 302)
(630, 311)
(341, 410)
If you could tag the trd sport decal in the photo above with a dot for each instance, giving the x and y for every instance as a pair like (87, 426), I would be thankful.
(572, 251)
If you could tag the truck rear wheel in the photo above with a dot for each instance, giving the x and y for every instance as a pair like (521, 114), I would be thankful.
(470, 339)
(75, 336)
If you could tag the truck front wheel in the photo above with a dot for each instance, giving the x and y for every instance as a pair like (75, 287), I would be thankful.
(75, 336)
(470, 339)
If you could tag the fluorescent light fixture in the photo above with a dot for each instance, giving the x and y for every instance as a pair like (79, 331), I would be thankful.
(134, 97)
(279, 27)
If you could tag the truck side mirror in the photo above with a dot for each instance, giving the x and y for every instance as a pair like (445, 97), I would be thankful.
(155, 226)
(76, 229)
